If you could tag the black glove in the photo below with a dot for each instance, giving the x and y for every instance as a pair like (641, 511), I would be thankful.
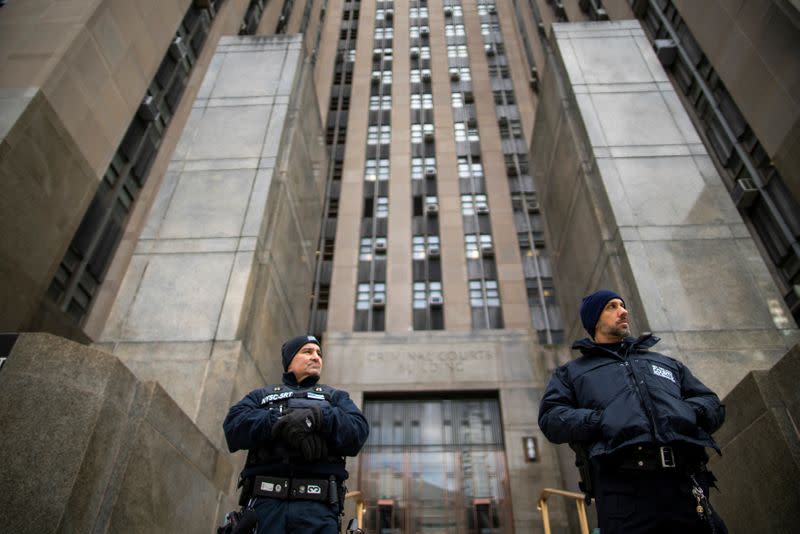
(313, 448)
(296, 424)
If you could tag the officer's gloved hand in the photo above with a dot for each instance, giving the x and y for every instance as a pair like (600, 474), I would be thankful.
(313, 448)
(296, 424)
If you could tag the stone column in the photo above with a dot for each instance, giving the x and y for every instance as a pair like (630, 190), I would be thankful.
(223, 269)
(633, 202)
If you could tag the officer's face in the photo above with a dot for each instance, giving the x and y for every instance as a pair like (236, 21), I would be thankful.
(613, 324)
(306, 362)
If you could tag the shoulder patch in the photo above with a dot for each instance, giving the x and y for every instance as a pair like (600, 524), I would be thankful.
(315, 396)
(663, 373)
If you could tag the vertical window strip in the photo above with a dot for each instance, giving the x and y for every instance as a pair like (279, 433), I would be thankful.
(545, 314)
(336, 135)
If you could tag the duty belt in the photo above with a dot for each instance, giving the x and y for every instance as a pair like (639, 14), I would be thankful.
(309, 489)
(652, 458)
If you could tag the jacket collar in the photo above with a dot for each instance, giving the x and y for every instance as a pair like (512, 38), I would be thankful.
(588, 346)
(290, 380)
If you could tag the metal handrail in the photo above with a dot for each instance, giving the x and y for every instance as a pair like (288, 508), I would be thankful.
(360, 505)
(580, 500)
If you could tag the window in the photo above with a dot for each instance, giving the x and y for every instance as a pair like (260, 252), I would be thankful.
(424, 52)
(379, 135)
(484, 293)
(467, 169)
(365, 249)
(384, 33)
(460, 73)
(376, 170)
(420, 166)
(382, 207)
(472, 204)
(424, 246)
(419, 75)
(422, 101)
(369, 293)
(454, 30)
(426, 293)
(457, 51)
(419, 131)
(489, 27)
(417, 12)
(457, 100)
(475, 245)
(382, 53)
(380, 102)
(462, 133)
(415, 32)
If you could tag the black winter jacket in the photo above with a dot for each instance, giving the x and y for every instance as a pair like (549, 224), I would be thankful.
(611, 401)
(248, 425)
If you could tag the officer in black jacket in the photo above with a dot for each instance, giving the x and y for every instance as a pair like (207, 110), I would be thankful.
(643, 419)
(297, 434)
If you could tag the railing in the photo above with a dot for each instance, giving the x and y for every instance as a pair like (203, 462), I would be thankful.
(579, 502)
(360, 507)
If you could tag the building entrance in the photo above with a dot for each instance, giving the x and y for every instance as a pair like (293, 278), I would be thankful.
(435, 467)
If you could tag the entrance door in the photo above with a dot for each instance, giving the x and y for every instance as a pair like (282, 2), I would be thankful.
(435, 467)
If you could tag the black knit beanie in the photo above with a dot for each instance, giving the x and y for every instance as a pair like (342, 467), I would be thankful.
(290, 348)
(592, 306)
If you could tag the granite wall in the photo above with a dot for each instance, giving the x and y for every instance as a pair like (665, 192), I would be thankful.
(221, 272)
(632, 201)
(760, 463)
(89, 448)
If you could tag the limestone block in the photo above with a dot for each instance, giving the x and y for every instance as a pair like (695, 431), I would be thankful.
(114, 454)
(179, 298)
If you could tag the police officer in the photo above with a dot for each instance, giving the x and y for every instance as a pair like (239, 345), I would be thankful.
(297, 434)
(644, 420)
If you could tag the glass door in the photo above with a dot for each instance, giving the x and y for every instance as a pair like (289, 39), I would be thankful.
(435, 467)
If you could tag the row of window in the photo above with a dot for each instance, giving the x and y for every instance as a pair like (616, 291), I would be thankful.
(336, 137)
(527, 219)
(84, 265)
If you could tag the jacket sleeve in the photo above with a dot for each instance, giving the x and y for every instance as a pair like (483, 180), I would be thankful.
(560, 419)
(344, 426)
(710, 411)
(248, 424)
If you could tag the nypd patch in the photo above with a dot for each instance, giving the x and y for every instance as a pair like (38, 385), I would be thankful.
(316, 396)
(663, 373)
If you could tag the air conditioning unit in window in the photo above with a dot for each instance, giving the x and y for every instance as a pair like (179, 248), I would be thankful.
(430, 172)
(429, 137)
(436, 301)
(561, 12)
(377, 53)
(148, 110)
(424, 31)
(599, 13)
(744, 193)
(389, 14)
(487, 249)
(455, 75)
(533, 206)
(376, 78)
(534, 79)
(433, 251)
(666, 51)
(177, 49)
(378, 301)
(432, 209)
(469, 98)
(426, 76)
(414, 54)
(380, 245)
(448, 11)
(511, 170)
(492, 9)
(502, 120)
(489, 50)
(482, 209)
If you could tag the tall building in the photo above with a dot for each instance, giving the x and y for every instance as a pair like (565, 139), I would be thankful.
(429, 186)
